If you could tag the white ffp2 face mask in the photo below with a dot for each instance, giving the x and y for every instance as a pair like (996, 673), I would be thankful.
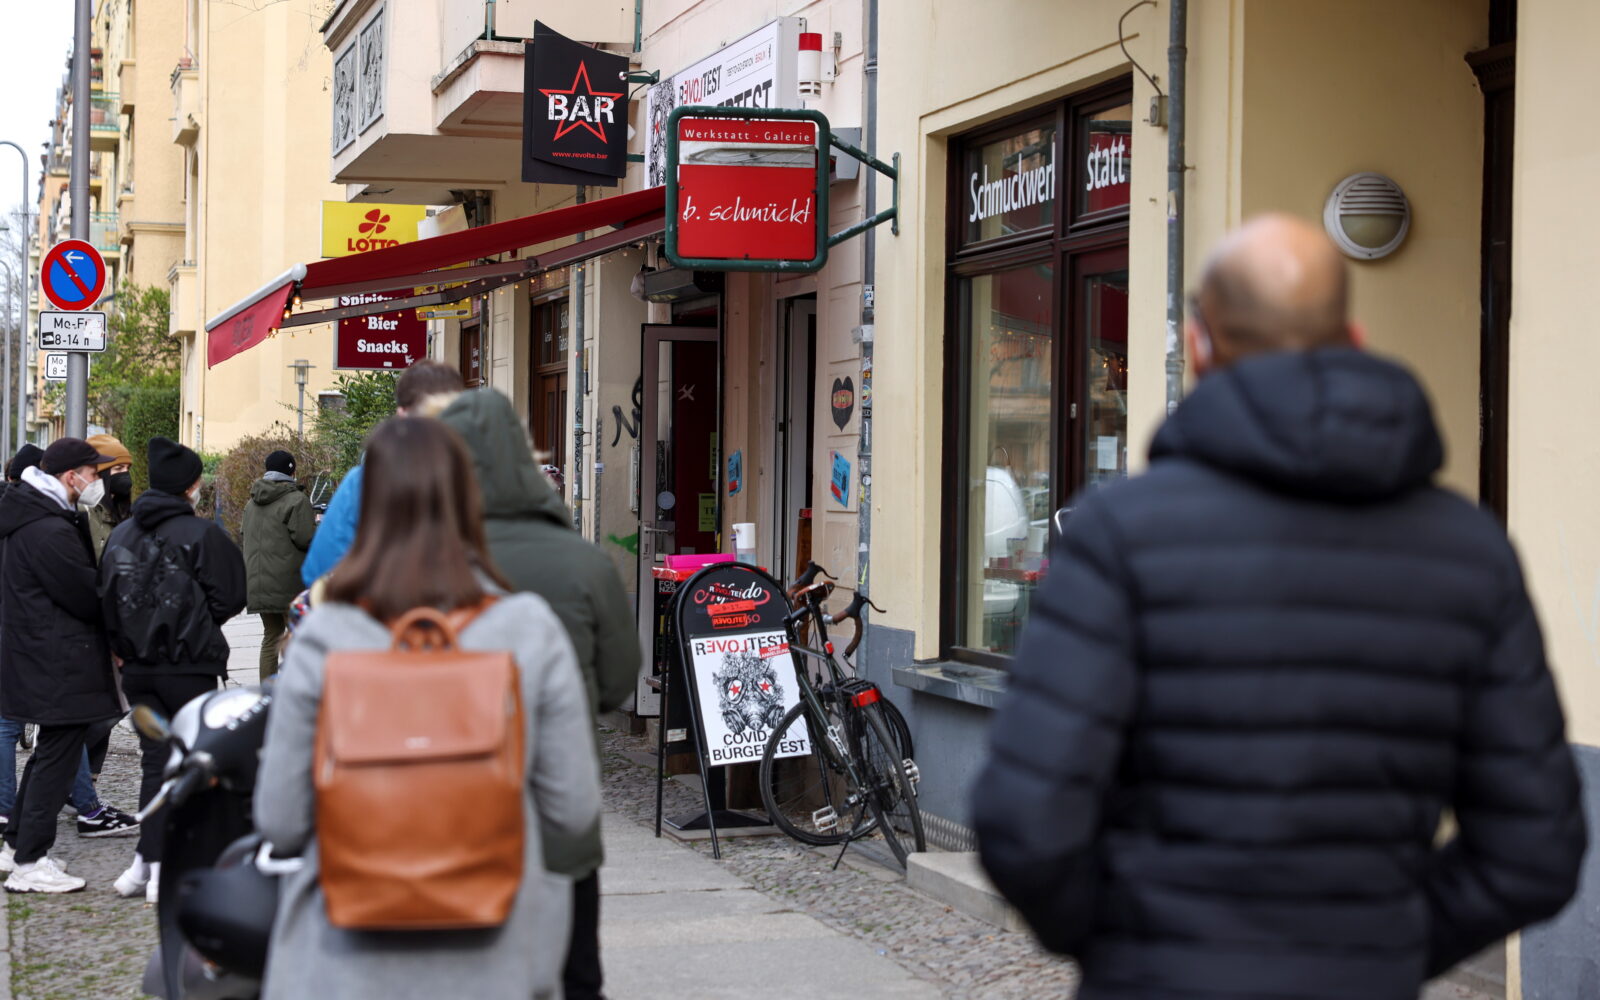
(91, 495)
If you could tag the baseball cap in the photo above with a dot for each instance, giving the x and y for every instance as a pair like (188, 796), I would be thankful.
(66, 454)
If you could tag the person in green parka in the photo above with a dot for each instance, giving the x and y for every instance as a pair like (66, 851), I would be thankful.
(532, 542)
(278, 525)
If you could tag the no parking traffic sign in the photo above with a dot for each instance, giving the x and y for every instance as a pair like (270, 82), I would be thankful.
(73, 275)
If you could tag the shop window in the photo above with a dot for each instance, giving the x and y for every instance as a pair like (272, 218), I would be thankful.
(1037, 351)
(1010, 352)
(1011, 185)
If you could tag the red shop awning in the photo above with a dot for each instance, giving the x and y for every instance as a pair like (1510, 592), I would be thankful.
(254, 318)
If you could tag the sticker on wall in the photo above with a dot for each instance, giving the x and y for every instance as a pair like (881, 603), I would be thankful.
(708, 512)
(844, 400)
(866, 389)
(840, 486)
(735, 473)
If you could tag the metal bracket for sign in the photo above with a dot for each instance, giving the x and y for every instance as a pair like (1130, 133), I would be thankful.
(891, 214)
(825, 140)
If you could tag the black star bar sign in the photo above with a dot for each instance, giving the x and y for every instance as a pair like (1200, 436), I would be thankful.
(581, 110)
(574, 112)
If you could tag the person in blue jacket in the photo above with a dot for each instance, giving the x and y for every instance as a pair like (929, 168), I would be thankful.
(337, 531)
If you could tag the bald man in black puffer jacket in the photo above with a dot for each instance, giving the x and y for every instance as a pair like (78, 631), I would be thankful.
(1259, 674)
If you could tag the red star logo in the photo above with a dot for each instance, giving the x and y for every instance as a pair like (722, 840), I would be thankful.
(588, 88)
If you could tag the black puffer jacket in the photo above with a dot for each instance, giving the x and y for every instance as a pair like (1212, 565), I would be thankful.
(55, 668)
(168, 580)
(1253, 681)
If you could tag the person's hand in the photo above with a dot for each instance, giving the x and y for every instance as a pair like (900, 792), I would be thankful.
(116, 661)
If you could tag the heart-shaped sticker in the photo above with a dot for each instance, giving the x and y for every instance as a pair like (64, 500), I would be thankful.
(844, 400)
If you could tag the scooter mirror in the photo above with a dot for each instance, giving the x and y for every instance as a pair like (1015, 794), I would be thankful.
(151, 723)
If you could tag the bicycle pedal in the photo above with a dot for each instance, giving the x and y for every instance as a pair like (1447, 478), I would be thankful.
(825, 820)
(913, 773)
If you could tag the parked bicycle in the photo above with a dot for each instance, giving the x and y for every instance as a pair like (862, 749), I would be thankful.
(860, 778)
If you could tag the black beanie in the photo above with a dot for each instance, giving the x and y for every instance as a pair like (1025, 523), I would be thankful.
(281, 461)
(173, 468)
(27, 456)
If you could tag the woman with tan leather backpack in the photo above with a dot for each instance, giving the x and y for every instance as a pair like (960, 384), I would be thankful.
(424, 724)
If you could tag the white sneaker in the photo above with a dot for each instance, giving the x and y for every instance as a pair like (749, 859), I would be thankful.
(150, 895)
(43, 875)
(8, 859)
(133, 881)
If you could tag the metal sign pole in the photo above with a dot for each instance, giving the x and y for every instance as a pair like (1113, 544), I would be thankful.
(78, 362)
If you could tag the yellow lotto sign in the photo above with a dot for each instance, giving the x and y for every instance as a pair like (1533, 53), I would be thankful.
(357, 227)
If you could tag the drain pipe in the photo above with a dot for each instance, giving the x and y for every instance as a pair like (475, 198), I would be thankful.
(869, 265)
(581, 356)
(1177, 86)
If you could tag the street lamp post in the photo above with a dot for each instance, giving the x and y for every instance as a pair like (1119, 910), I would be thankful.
(22, 254)
(301, 368)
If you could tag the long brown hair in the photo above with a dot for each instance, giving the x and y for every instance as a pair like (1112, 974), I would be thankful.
(419, 541)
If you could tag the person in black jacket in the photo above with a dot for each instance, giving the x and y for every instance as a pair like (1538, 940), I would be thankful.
(56, 670)
(1257, 675)
(95, 818)
(168, 582)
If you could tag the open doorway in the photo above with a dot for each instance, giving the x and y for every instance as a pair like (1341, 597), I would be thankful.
(797, 347)
(1496, 68)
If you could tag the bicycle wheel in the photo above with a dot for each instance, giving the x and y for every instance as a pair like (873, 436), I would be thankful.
(899, 729)
(889, 793)
(809, 798)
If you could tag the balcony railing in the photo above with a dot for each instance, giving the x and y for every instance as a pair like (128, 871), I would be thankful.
(104, 111)
(103, 231)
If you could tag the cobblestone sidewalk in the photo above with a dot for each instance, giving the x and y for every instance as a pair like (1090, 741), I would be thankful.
(88, 944)
(967, 957)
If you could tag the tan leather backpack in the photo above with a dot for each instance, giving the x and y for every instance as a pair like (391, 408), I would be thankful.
(420, 781)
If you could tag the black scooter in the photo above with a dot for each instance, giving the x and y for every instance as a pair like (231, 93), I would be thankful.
(218, 888)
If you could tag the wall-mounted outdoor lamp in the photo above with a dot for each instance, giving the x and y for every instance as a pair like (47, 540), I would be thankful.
(1367, 216)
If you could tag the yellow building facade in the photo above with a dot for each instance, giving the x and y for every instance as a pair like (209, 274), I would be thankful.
(1485, 301)
(249, 112)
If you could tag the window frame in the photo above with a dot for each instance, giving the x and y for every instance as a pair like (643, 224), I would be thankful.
(1060, 245)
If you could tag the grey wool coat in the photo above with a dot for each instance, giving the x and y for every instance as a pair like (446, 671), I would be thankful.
(522, 958)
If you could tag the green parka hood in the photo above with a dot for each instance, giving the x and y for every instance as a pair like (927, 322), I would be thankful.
(512, 485)
(265, 491)
(532, 542)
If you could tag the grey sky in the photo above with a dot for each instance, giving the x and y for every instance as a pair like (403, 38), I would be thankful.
(30, 73)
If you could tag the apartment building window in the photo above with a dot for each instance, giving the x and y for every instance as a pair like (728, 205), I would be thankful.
(1036, 355)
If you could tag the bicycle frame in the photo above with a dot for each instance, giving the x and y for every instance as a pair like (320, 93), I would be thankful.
(817, 713)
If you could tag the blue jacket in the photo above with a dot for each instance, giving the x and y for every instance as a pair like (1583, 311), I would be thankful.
(337, 532)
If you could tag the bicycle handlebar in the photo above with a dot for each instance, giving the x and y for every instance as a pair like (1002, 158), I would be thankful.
(806, 578)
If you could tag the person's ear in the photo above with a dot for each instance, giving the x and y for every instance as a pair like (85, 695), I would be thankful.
(1358, 334)
(1199, 347)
